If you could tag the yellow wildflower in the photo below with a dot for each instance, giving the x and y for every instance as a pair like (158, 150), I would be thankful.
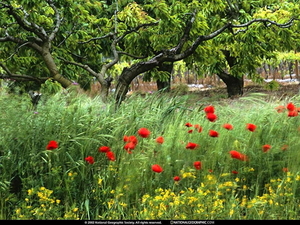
(75, 209)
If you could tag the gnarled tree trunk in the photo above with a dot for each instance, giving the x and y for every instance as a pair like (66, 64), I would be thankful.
(128, 74)
(234, 84)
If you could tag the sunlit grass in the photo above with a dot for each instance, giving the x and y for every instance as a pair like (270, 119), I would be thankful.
(37, 183)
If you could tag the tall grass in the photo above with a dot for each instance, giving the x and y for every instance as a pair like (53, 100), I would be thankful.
(59, 184)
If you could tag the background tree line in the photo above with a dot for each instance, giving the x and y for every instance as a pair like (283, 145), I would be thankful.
(67, 42)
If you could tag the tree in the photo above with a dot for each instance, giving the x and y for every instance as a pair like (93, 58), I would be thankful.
(194, 42)
(244, 53)
(35, 37)
(84, 40)
(38, 33)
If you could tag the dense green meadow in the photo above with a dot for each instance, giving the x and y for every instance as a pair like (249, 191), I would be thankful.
(67, 158)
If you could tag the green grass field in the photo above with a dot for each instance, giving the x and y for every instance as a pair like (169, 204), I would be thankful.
(72, 178)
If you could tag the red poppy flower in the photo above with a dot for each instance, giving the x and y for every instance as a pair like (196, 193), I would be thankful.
(209, 109)
(234, 172)
(52, 145)
(129, 146)
(190, 131)
(266, 148)
(237, 155)
(210, 171)
(251, 127)
(198, 165)
(280, 108)
(133, 139)
(198, 128)
(125, 138)
(104, 149)
(144, 132)
(90, 159)
(293, 113)
(285, 169)
(191, 145)
(160, 140)
(211, 117)
(188, 125)
(227, 126)
(213, 133)
(290, 106)
(157, 168)
(110, 156)
(176, 178)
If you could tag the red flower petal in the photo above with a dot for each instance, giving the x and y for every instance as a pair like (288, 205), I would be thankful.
(133, 139)
(211, 117)
(266, 148)
(160, 140)
(280, 108)
(176, 178)
(251, 127)
(90, 159)
(293, 113)
(213, 133)
(290, 106)
(125, 138)
(198, 128)
(110, 156)
(188, 125)
(198, 165)
(144, 132)
(237, 155)
(209, 109)
(227, 126)
(52, 145)
(157, 168)
(104, 149)
(191, 145)
(129, 146)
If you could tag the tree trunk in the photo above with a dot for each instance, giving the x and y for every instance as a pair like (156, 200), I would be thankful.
(234, 85)
(104, 89)
(297, 70)
(127, 75)
(165, 85)
(51, 66)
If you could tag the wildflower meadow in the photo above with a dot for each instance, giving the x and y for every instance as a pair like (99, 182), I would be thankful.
(155, 157)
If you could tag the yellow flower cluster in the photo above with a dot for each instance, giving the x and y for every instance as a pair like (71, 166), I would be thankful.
(37, 207)
(40, 204)
(220, 200)
(187, 174)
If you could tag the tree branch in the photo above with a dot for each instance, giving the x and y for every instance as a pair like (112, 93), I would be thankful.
(24, 23)
(97, 38)
(111, 34)
(136, 29)
(131, 55)
(200, 39)
(83, 66)
(58, 20)
(185, 35)
(19, 77)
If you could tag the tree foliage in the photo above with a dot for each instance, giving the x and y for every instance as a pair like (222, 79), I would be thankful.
(87, 38)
